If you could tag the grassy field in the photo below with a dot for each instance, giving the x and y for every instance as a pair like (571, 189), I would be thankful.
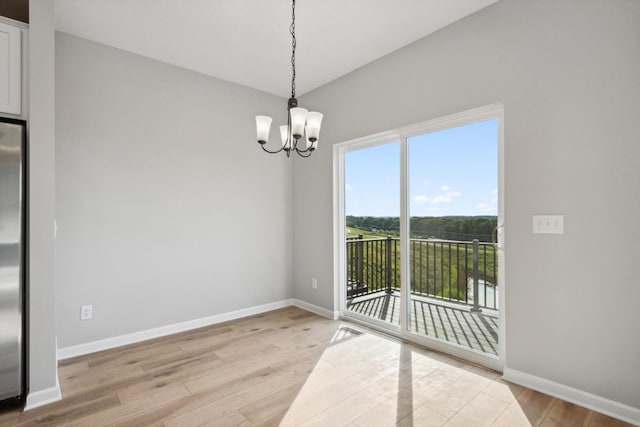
(368, 234)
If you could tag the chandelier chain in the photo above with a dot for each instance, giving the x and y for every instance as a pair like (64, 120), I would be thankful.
(303, 127)
(292, 30)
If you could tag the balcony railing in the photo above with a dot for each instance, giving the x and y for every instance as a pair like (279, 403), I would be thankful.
(456, 271)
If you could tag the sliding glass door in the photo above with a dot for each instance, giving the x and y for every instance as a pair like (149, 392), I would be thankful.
(419, 215)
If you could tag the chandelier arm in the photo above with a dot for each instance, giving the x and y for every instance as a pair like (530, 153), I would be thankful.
(271, 152)
(301, 153)
(306, 150)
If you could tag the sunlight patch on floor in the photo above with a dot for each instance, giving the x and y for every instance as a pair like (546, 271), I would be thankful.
(362, 379)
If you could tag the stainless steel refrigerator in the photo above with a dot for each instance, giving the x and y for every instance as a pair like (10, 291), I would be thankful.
(12, 259)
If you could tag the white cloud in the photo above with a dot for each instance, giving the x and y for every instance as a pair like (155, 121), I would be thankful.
(445, 188)
(446, 197)
(494, 196)
(421, 199)
(441, 199)
(426, 182)
(348, 187)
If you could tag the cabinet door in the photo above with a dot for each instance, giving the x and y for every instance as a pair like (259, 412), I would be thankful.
(10, 69)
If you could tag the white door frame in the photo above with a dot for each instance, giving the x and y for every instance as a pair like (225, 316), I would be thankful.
(493, 111)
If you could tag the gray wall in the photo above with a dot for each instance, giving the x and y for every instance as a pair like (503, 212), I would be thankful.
(41, 251)
(567, 72)
(168, 210)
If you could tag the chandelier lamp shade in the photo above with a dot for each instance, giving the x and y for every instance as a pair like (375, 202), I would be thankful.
(302, 130)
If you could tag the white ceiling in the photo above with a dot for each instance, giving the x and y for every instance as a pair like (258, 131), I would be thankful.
(248, 41)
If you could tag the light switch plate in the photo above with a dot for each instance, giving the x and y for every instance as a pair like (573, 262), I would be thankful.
(548, 224)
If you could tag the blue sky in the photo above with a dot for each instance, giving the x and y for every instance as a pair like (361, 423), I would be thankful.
(451, 172)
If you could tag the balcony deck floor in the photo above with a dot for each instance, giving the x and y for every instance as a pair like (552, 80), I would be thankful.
(442, 320)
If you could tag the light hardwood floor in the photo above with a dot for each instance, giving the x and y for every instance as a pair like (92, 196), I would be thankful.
(290, 368)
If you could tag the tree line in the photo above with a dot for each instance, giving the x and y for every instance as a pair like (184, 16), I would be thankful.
(464, 228)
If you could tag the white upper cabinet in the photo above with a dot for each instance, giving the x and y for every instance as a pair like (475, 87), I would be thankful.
(10, 69)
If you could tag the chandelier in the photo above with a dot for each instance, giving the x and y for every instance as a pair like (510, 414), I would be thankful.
(300, 122)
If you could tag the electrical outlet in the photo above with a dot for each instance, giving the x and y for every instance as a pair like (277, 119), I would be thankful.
(86, 312)
(314, 283)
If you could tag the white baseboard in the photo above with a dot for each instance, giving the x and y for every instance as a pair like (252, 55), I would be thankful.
(579, 397)
(43, 397)
(321, 311)
(105, 344)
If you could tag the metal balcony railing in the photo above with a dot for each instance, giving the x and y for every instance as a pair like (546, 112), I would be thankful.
(463, 272)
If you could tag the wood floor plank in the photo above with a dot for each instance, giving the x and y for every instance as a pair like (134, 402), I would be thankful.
(9, 417)
(230, 372)
(601, 420)
(533, 406)
(179, 360)
(157, 379)
(290, 367)
(132, 356)
(77, 384)
(72, 369)
(270, 405)
(274, 420)
(157, 416)
(63, 414)
(219, 342)
(456, 395)
(482, 410)
(132, 408)
(388, 412)
(513, 416)
(566, 414)
(308, 361)
(234, 418)
(218, 408)
(503, 390)
(423, 417)
(238, 384)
